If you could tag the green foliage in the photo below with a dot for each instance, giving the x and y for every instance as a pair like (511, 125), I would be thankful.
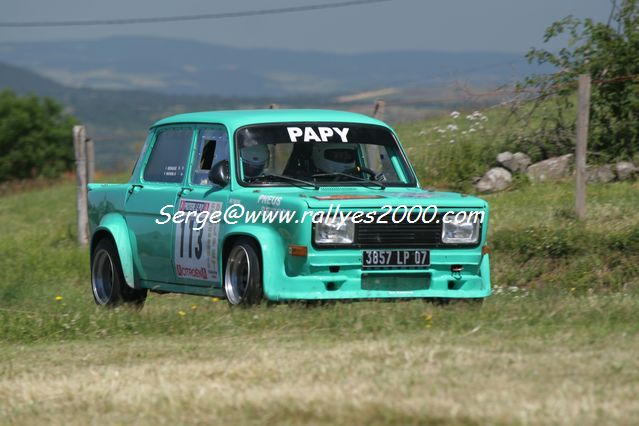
(626, 242)
(539, 240)
(35, 138)
(608, 52)
(542, 129)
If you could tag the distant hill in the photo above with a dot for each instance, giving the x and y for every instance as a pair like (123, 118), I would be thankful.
(22, 81)
(191, 67)
(117, 119)
(119, 86)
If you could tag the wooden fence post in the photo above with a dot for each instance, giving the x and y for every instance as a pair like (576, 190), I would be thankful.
(583, 117)
(379, 109)
(90, 161)
(79, 145)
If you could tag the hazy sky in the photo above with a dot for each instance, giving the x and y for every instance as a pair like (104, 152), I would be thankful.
(457, 25)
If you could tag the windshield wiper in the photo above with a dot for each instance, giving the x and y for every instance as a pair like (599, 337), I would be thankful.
(282, 177)
(359, 180)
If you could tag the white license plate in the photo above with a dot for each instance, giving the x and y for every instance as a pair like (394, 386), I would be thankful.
(379, 259)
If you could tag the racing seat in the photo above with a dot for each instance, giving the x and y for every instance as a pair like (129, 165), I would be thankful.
(300, 164)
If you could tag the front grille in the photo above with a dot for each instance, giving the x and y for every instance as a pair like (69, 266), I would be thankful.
(402, 235)
(395, 235)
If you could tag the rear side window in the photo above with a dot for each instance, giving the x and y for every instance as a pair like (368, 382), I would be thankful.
(170, 153)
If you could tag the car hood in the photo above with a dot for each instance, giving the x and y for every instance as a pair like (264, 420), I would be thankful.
(366, 198)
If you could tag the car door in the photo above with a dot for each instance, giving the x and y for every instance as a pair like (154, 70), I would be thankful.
(197, 242)
(155, 196)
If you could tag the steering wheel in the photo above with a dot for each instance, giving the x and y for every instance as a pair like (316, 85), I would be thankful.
(366, 170)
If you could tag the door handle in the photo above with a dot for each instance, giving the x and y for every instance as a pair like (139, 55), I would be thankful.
(134, 186)
(184, 191)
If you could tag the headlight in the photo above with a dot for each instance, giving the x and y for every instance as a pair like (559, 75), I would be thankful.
(464, 232)
(334, 232)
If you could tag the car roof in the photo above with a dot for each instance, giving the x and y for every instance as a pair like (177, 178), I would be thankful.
(238, 118)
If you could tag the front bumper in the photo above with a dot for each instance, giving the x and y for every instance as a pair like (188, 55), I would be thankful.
(339, 275)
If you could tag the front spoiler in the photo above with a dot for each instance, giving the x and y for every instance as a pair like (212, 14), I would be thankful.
(354, 283)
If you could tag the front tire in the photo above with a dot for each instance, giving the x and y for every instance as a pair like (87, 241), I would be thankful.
(107, 279)
(243, 274)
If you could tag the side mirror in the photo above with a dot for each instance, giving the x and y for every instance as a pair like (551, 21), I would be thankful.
(219, 173)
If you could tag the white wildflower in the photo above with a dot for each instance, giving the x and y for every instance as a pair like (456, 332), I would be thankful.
(454, 114)
(452, 127)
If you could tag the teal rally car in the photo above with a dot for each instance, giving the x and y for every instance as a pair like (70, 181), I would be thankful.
(282, 205)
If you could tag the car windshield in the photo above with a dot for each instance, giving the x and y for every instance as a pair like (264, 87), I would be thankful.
(321, 154)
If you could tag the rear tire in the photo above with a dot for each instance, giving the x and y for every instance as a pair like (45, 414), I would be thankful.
(243, 274)
(108, 285)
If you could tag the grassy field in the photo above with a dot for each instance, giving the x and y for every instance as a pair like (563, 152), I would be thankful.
(553, 360)
(556, 344)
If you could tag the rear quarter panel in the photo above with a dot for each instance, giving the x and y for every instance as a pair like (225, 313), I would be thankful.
(106, 218)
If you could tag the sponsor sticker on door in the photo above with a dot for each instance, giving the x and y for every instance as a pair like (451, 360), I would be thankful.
(196, 242)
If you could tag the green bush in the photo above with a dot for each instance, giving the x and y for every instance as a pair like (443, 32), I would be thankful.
(608, 52)
(35, 138)
(627, 242)
(539, 241)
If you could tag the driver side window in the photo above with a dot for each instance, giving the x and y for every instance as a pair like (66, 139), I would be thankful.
(212, 147)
